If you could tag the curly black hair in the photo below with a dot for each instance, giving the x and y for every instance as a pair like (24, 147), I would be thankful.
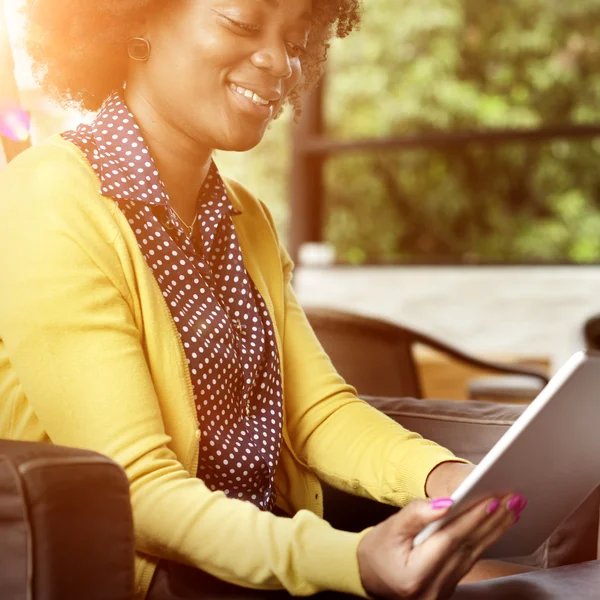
(80, 59)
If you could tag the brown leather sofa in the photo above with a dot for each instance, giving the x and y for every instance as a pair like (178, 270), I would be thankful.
(66, 528)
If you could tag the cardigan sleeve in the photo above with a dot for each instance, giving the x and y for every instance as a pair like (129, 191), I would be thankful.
(67, 327)
(344, 440)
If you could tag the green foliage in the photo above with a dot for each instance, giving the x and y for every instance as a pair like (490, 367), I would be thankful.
(432, 65)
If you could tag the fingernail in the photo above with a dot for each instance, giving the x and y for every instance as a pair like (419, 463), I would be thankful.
(440, 503)
(521, 508)
(492, 507)
(514, 503)
(517, 517)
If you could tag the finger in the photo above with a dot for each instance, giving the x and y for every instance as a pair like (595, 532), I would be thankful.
(445, 549)
(464, 559)
(504, 514)
(388, 547)
(409, 522)
(502, 519)
(470, 551)
(463, 529)
(415, 516)
(448, 549)
(491, 531)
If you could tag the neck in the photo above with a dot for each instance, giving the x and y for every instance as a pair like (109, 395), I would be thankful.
(182, 164)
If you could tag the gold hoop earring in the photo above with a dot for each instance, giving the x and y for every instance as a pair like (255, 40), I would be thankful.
(138, 48)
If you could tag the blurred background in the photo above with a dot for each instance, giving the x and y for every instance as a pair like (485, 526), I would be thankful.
(444, 176)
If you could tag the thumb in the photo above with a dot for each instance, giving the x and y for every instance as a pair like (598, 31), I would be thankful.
(415, 516)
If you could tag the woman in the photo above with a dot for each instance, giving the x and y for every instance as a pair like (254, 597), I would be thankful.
(147, 312)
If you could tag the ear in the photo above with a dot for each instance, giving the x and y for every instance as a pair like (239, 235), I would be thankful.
(139, 49)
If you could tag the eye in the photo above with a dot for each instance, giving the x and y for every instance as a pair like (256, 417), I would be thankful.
(245, 27)
(295, 51)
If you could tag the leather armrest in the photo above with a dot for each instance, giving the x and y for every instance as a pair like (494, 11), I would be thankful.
(468, 428)
(66, 528)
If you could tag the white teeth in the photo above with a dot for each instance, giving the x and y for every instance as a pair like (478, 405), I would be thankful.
(256, 98)
(250, 95)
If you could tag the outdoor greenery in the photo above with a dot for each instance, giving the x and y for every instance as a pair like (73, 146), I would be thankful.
(419, 66)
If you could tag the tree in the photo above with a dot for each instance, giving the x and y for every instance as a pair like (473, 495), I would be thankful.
(431, 65)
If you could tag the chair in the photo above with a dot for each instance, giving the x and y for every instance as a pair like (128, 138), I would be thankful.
(591, 332)
(378, 357)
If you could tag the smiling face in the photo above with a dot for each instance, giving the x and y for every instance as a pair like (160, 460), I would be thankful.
(220, 70)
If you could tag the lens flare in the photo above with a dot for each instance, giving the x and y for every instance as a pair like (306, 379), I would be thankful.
(15, 122)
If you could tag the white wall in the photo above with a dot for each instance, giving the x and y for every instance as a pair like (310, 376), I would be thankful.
(489, 310)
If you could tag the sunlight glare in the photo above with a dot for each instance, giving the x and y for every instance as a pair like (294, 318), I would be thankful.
(15, 123)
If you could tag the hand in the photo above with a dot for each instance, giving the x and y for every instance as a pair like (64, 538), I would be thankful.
(391, 568)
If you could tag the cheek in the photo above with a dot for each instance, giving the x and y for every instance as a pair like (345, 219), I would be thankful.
(192, 58)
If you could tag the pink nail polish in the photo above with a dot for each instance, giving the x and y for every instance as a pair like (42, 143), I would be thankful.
(514, 503)
(440, 503)
(519, 510)
(492, 507)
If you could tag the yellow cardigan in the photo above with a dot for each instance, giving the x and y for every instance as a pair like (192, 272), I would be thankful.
(91, 358)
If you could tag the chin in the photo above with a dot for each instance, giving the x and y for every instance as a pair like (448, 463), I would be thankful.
(241, 143)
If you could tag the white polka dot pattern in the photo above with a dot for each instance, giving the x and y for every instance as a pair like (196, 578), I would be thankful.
(223, 323)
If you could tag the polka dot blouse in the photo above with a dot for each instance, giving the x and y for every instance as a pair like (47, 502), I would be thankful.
(223, 323)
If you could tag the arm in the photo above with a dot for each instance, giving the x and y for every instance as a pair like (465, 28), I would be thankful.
(445, 478)
(68, 326)
(348, 443)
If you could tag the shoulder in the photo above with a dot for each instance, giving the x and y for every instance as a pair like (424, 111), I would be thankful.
(51, 192)
(51, 177)
(52, 159)
(50, 165)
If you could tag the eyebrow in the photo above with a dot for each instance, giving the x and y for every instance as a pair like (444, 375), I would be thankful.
(305, 16)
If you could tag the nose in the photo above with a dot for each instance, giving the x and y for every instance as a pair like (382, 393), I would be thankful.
(274, 59)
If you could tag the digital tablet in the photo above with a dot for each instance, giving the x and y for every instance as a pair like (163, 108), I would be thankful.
(550, 455)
